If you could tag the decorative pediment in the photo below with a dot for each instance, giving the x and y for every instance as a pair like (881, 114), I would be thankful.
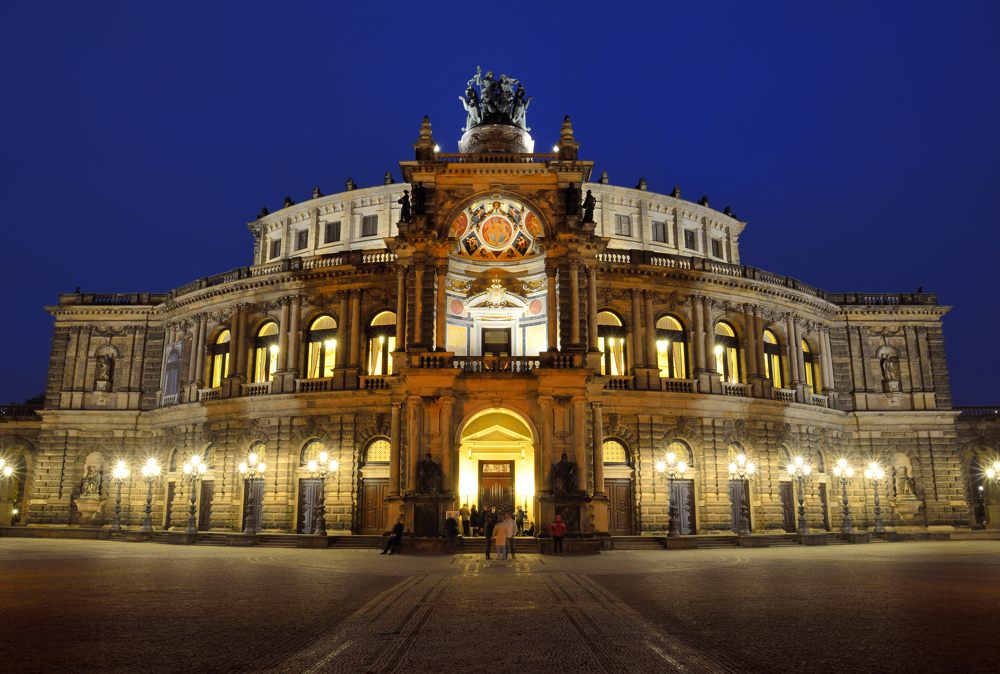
(495, 435)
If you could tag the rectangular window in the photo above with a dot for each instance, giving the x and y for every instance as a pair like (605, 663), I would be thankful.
(690, 239)
(623, 225)
(369, 225)
(275, 248)
(332, 232)
(301, 239)
(660, 232)
(717, 248)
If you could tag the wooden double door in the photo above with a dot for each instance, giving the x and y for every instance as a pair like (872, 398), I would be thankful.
(310, 489)
(496, 486)
(374, 514)
(620, 506)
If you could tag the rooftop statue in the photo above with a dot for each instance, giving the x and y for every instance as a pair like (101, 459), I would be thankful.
(497, 101)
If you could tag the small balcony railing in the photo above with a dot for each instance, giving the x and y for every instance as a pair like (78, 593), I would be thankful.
(206, 394)
(509, 364)
(620, 383)
(784, 395)
(735, 389)
(314, 385)
(676, 385)
(374, 383)
(261, 388)
(820, 400)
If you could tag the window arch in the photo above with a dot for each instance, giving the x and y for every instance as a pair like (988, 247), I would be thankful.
(615, 452)
(812, 372)
(311, 450)
(381, 343)
(772, 360)
(727, 360)
(218, 359)
(265, 352)
(377, 452)
(671, 348)
(172, 373)
(682, 451)
(611, 343)
(322, 347)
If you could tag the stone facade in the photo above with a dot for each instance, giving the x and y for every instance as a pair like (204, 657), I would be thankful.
(496, 247)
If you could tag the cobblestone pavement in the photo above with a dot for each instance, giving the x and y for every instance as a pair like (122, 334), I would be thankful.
(109, 606)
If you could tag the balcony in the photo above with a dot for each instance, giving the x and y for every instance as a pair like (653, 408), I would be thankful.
(374, 382)
(506, 364)
(785, 395)
(672, 385)
(262, 388)
(314, 385)
(206, 394)
(620, 383)
(735, 390)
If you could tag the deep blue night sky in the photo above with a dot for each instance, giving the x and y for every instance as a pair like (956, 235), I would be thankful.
(860, 142)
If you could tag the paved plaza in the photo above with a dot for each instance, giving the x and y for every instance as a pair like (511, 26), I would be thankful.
(127, 607)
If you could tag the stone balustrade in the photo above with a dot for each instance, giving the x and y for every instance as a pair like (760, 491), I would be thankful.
(374, 382)
(784, 395)
(314, 385)
(261, 388)
(620, 383)
(508, 364)
(672, 385)
(206, 394)
(735, 389)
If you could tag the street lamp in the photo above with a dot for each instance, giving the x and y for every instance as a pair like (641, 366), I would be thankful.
(193, 469)
(844, 472)
(322, 467)
(6, 470)
(874, 474)
(119, 474)
(150, 473)
(800, 469)
(252, 470)
(992, 473)
(673, 469)
(743, 470)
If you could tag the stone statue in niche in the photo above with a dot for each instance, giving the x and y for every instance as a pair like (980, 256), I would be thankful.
(889, 364)
(91, 483)
(903, 482)
(419, 198)
(404, 207)
(429, 476)
(572, 199)
(588, 207)
(105, 367)
(564, 476)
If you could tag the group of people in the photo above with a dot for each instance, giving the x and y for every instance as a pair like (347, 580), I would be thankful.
(474, 522)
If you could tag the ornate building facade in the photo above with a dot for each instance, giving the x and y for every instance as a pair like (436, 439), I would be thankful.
(496, 329)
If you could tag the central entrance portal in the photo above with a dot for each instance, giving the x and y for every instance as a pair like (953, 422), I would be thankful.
(496, 485)
(497, 462)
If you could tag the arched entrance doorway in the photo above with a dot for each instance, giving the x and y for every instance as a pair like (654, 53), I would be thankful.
(497, 462)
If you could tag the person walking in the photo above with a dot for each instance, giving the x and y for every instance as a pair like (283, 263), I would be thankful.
(474, 520)
(519, 521)
(511, 529)
(558, 531)
(464, 513)
(395, 538)
(489, 524)
(502, 533)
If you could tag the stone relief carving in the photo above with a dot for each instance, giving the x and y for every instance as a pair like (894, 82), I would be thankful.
(369, 426)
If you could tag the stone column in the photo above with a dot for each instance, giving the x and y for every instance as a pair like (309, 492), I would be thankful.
(344, 328)
(708, 328)
(637, 334)
(441, 311)
(795, 374)
(412, 441)
(237, 360)
(394, 449)
(552, 307)
(800, 359)
(448, 464)
(400, 308)
(355, 329)
(282, 364)
(418, 304)
(752, 346)
(598, 449)
(759, 331)
(199, 368)
(294, 334)
(828, 383)
(579, 442)
(650, 330)
(544, 451)
(697, 339)
(591, 272)
(195, 349)
(574, 305)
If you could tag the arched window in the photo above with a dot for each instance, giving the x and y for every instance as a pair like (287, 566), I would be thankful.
(381, 343)
(812, 373)
(310, 451)
(680, 449)
(615, 452)
(172, 373)
(218, 360)
(671, 348)
(772, 360)
(322, 348)
(378, 451)
(727, 360)
(611, 343)
(265, 352)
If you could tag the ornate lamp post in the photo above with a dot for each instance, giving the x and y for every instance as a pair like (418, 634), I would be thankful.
(875, 474)
(673, 469)
(800, 469)
(150, 473)
(321, 467)
(193, 469)
(844, 472)
(252, 469)
(6, 470)
(992, 473)
(743, 470)
(119, 474)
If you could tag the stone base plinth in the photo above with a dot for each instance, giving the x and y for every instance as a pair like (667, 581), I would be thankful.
(424, 545)
(136, 536)
(181, 538)
(857, 537)
(752, 541)
(812, 539)
(313, 541)
(681, 542)
(242, 539)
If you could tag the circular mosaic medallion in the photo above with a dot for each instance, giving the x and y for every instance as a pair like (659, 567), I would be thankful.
(457, 307)
(535, 307)
(496, 232)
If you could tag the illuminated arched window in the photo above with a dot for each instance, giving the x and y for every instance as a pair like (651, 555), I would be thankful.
(727, 360)
(218, 360)
(812, 373)
(378, 451)
(310, 451)
(172, 373)
(671, 348)
(615, 452)
(381, 343)
(322, 348)
(265, 352)
(680, 449)
(611, 343)
(772, 360)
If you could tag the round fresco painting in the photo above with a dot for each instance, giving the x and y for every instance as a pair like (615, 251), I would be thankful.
(496, 232)
(496, 228)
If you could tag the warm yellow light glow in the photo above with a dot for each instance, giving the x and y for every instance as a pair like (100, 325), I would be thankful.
(751, 468)
(187, 468)
(719, 349)
(7, 471)
(807, 469)
(741, 459)
(121, 470)
(437, 148)
(661, 466)
(261, 467)
(330, 345)
(151, 469)
(274, 349)
(323, 457)
(334, 465)
(682, 466)
(243, 468)
(798, 461)
(663, 345)
(555, 148)
(990, 473)
(671, 458)
(312, 466)
(252, 458)
(732, 469)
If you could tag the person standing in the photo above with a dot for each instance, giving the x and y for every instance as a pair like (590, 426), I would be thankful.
(502, 533)
(451, 531)
(464, 513)
(508, 524)
(489, 524)
(519, 521)
(395, 538)
(474, 520)
(558, 531)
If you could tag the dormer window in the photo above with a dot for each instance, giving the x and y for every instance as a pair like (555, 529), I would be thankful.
(301, 239)
(690, 239)
(275, 249)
